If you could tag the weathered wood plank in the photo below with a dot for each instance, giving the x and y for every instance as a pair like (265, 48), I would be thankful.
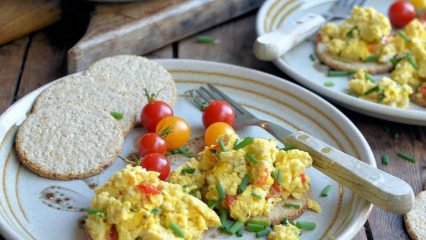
(11, 60)
(165, 52)
(390, 138)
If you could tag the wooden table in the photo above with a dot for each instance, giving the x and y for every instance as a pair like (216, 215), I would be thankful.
(35, 60)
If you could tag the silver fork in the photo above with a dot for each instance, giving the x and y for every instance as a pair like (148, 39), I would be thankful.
(272, 45)
(380, 188)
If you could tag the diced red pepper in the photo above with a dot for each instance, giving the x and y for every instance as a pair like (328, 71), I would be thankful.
(262, 179)
(229, 200)
(113, 234)
(318, 37)
(276, 187)
(422, 90)
(148, 189)
(303, 177)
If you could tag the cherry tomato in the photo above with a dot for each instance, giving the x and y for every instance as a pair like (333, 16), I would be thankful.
(152, 143)
(153, 112)
(157, 162)
(148, 189)
(401, 13)
(174, 130)
(419, 3)
(218, 111)
(216, 130)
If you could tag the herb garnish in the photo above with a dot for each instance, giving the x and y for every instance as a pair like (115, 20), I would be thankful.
(207, 39)
(117, 115)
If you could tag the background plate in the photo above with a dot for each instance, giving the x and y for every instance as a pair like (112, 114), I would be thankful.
(24, 214)
(276, 14)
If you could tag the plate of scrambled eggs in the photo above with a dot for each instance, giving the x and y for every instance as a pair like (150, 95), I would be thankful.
(126, 202)
(361, 62)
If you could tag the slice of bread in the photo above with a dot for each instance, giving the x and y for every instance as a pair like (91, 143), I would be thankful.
(279, 212)
(68, 141)
(347, 65)
(415, 220)
(89, 91)
(135, 73)
(419, 99)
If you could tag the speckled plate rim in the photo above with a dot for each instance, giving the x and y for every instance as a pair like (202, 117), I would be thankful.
(15, 115)
(265, 24)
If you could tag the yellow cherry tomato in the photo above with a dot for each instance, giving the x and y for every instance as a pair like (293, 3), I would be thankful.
(420, 4)
(174, 130)
(216, 130)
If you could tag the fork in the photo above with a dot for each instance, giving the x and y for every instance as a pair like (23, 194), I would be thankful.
(272, 45)
(385, 191)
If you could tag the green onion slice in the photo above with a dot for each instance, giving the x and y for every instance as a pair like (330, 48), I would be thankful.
(288, 148)
(239, 233)
(222, 145)
(329, 84)
(371, 90)
(97, 212)
(385, 159)
(262, 222)
(177, 230)
(263, 233)
(292, 205)
(312, 57)
(339, 73)
(251, 157)
(187, 171)
(207, 39)
(244, 143)
(326, 191)
(117, 115)
(372, 58)
(411, 61)
(220, 190)
(368, 77)
(252, 227)
(212, 203)
(256, 195)
(407, 157)
(306, 225)
(243, 184)
(156, 210)
(235, 227)
(404, 36)
(350, 33)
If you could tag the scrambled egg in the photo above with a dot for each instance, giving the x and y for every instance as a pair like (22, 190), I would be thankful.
(272, 175)
(386, 91)
(284, 232)
(359, 36)
(314, 206)
(135, 204)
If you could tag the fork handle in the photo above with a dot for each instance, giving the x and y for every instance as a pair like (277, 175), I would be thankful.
(272, 45)
(385, 191)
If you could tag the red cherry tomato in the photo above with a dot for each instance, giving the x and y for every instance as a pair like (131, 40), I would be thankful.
(218, 111)
(153, 112)
(157, 162)
(152, 143)
(401, 13)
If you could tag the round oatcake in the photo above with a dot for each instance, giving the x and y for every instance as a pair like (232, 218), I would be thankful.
(68, 141)
(87, 90)
(135, 73)
(415, 220)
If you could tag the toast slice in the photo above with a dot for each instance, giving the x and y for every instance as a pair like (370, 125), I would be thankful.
(347, 65)
(89, 91)
(68, 141)
(135, 74)
(415, 219)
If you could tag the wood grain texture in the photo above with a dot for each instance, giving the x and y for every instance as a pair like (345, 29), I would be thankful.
(20, 17)
(141, 27)
(11, 60)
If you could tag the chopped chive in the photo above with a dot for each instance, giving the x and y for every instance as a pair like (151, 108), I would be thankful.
(381, 96)
(212, 203)
(306, 225)
(339, 73)
(156, 210)
(350, 33)
(243, 184)
(221, 145)
(287, 148)
(263, 233)
(256, 195)
(262, 222)
(326, 191)
(252, 227)
(207, 39)
(411, 61)
(406, 157)
(177, 230)
(372, 58)
(404, 36)
(279, 176)
(117, 115)
(239, 233)
(97, 212)
(385, 159)
(312, 57)
(329, 84)
(396, 136)
(394, 61)
(292, 205)
(235, 227)
(368, 77)
(285, 221)
(187, 170)
(220, 191)
(193, 191)
(251, 157)
(225, 223)
(245, 142)
(371, 90)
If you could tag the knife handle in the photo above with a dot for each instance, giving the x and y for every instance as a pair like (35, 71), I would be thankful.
(385, 191)
(273, 45)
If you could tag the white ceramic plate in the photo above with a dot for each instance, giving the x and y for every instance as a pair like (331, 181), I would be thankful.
(275, 14)
(24, 210)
